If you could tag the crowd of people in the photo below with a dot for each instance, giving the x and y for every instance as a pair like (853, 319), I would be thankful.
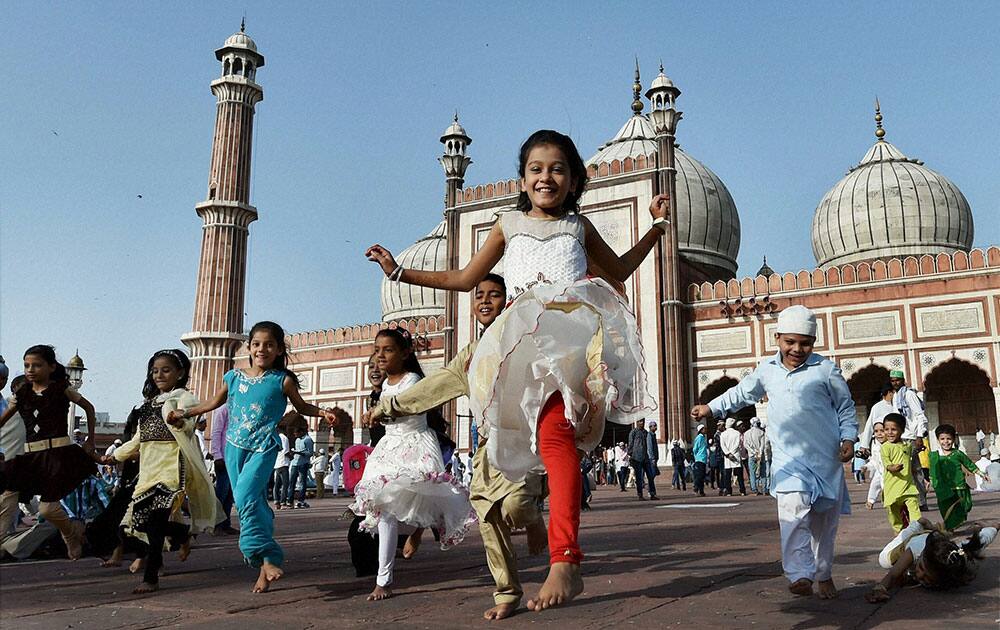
(559, 356)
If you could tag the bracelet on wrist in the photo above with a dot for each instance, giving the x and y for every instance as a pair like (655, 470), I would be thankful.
(661, 224)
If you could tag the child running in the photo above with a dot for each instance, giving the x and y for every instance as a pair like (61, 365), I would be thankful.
(501, 505)
(404, 478)
(812, 427)
(257, 398)
(170, 468)
(565, 356)
(875, 466)
(899, 491)
(948, 478)
(923, 554)
(51, 465)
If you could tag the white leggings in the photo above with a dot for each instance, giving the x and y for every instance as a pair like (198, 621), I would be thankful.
(875, 487)
(388, 533)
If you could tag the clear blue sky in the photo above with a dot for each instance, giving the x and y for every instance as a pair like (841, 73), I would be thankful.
(777, 100)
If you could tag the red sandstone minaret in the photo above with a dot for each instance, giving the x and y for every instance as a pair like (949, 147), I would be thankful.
(218, 332)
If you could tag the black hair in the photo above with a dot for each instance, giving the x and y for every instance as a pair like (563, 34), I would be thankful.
(180, 361)
(281, 361)
(48, 354)
(17, 382)
(577, 169)
(945, 428)
(496, 279)
(405, 342)
(949, 564)
(886, 389)
(897, 418)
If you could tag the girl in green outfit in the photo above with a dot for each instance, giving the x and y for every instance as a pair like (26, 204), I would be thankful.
(948, 478)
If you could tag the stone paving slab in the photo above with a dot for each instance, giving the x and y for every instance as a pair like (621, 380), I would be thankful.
(648, 566)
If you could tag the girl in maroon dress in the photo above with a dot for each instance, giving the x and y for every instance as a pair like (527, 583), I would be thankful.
(51, 465)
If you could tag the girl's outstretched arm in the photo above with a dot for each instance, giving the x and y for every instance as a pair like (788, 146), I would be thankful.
(306, 409)
(209, 405)
(622, 267)
(464, 279)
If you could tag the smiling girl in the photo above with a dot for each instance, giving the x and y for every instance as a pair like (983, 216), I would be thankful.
(567, 347)
(170, 467)
(948, 477)
(51, 465)
(257, 398)
(404, 478)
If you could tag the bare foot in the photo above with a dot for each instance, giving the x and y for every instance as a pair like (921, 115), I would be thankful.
(500, 611)
(801, 587)
(561, 586)
(137, 565)
(380, 593)
(826, 590)
(268, 573)
(116, 558)
(538, 538)
(870, 505)
(145, 587)
(413, 543)
(74, 542)
(184, 551)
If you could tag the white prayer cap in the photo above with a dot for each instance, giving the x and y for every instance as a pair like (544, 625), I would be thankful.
(700, 427)
(730, 423)
(797, 320)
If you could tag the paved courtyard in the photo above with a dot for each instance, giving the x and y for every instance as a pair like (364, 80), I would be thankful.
(682, 561)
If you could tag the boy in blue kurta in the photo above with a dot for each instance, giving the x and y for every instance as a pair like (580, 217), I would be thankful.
(812, 427)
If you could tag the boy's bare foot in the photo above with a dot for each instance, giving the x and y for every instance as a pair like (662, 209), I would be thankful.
(145, 587)
(184, 551)
(538, 538)
(380, 593)
(413, 543)
(500, 611)
(268, 573)
(870, 505)
(137, 565)
(561, 586)
(801, 587)
(825, 589)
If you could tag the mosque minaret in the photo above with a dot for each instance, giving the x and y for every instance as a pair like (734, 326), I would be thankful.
(218, 332)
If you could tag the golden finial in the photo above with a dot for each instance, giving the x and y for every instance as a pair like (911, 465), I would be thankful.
(637, 91)
(879, 131)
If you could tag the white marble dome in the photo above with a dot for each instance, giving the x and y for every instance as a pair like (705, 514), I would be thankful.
(240, 40)
(890, 205)
(708, 225)
(404, 301)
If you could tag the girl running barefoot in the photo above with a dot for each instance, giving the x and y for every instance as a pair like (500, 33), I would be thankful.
(51, 465)
(948, 478)
(567, 348)
(169, 467)
(404, 478)
(922, 553)
(257, 398)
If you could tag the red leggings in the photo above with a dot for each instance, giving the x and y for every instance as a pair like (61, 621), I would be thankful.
(557, 447)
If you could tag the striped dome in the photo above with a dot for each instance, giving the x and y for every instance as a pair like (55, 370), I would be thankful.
(405, 301)
(890, 205)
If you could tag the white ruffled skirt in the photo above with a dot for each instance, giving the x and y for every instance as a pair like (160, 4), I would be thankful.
(405, 478)
(578, 339)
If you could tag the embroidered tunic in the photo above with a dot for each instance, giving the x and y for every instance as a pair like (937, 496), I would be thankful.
(256, 405)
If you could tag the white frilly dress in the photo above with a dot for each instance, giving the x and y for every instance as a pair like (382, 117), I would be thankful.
(562, 332)
(405, 478)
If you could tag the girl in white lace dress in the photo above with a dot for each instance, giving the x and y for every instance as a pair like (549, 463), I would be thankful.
(565, 356)
(404, 479)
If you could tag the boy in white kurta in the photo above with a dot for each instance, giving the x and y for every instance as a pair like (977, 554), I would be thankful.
(812, 427)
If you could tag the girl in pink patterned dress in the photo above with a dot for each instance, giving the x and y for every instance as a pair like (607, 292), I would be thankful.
(404, 479)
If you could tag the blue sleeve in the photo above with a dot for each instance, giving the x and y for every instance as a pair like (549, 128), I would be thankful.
(843, 403)
(745, 393)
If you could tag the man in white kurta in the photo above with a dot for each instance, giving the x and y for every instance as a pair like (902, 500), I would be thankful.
(812, 427)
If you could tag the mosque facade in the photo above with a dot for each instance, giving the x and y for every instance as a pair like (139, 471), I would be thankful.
(897, 283)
